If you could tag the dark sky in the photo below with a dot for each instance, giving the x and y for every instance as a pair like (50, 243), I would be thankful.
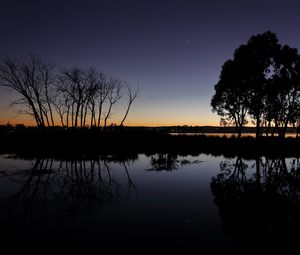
(174, 49)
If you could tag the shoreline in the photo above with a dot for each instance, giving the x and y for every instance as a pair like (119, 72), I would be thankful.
(88, 143)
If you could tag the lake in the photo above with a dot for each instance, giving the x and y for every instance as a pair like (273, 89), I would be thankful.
(228, 135)
(160, 202)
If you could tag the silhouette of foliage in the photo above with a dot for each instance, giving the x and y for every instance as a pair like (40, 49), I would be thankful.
(261, 83)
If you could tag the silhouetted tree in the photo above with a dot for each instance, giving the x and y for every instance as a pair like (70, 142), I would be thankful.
(284, 92)
(231, 97)
(260, 82)
(75, 97)
(113, 96)
(257, 59)
(32, 79)
(74, 83)
(101, 96)
(132, 94)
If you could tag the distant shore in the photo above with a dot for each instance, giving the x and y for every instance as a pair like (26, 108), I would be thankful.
(183, 129)
(86, 143)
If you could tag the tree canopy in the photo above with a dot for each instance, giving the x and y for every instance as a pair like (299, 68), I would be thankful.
(260, 84)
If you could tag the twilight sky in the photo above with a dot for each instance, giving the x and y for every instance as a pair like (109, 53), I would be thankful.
(174, 49)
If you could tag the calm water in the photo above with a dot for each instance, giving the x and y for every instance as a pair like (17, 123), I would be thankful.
(207, 203)
(228, 135)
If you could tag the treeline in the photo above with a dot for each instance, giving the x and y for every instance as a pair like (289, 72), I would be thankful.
(261, 86)
(69, 97)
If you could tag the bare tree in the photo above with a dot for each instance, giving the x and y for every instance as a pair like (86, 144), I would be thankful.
(31, 79)
(73, 96)
(73, 83)
(92, 77)
(132, 94)
(114, 95)
(48, 80)
(102, 94)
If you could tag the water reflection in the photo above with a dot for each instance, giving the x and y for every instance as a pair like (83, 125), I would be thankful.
(228, 135)
(64, 188)
(168, 162)
(70, 187)
(113, 200)
(259, 203)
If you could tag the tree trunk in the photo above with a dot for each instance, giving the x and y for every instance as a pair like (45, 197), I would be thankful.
(72, 115)
(100, 113)
(257, 135)
(47, 119)
(85, 114)
(67, 116)
(77, 114)
(93, 121)
(49, 106)
(51, 114)
(82, 114)
(107, 115)
(35, 113)
(125, 116)
(61, 119)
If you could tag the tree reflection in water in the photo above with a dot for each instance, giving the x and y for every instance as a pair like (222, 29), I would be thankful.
(65, 188)
(168, 162)
(259, 203)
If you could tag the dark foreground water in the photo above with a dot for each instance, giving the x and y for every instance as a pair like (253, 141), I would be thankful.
(160, 203)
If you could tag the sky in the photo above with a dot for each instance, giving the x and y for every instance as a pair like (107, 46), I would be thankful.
(173, 50)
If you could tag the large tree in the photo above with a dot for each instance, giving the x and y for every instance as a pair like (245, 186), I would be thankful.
(257, 59)
(260, 82)
(284, 92)
(32, 80)
(231, 97)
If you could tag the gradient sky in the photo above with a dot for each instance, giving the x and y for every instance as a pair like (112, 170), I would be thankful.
(174, 49)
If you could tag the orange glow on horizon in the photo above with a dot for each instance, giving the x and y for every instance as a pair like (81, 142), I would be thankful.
(148, 119)
(129, 123)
